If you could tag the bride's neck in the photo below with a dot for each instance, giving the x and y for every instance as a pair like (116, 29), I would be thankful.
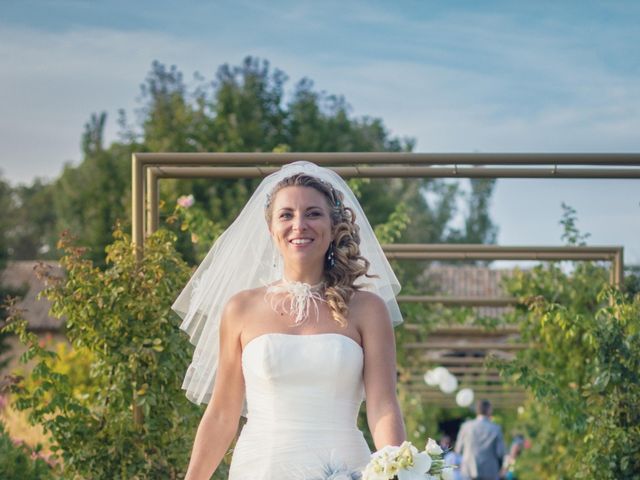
(309, 275)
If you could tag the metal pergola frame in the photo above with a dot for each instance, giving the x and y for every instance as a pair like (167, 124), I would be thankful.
(149, 168)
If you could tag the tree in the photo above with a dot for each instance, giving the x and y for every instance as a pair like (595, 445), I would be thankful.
(479, 227)
(33, 233)
(91, 198)
(6, 207)
(93, 137)
(5, 223)
(167, 117)
(247, 108)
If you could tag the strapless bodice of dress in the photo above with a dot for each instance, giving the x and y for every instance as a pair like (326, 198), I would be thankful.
(303, 396)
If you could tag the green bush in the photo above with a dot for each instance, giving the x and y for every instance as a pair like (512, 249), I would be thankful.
(585, 378)
(583, 372)
(17, 462)
(120, 318)
(74, 363)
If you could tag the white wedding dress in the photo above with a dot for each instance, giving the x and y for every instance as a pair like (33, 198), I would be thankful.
(303, 396)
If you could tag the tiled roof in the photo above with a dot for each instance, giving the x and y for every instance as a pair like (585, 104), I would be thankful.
(22, 274)
(470, 281)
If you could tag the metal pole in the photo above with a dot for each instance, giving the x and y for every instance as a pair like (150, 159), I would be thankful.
(153, 200)
(619, 267)
(137, 224)
(407, 171)
(474, 247)
(137, 205)
(456, 345)
(373, 158)
(459, 301)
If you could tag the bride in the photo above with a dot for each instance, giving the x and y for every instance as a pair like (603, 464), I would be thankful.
(293, 325)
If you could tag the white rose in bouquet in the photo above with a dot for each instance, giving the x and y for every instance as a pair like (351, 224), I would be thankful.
(414, 465)
(433, 448)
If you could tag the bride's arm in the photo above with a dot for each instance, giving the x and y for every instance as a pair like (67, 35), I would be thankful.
(383, 412)
(219, 423)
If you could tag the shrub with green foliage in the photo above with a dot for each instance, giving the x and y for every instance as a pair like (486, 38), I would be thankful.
(121, 316)
(583, 371)
(17, 462)
(584, 375)
(74, 363)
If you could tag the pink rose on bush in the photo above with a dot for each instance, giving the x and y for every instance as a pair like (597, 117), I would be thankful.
(185, 201)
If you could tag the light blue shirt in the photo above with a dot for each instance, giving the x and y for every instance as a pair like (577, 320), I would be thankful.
(482, 447)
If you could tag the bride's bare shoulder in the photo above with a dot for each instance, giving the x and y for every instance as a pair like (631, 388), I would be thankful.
(242, 307)
(363, 299)
(368, 307)
(245, 300)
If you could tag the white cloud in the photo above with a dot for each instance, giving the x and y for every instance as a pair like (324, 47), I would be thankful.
(53, 81)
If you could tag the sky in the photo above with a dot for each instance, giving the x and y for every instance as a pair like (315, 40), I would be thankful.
(457, 76)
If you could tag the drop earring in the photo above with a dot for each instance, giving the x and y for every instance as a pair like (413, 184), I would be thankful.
(330, 259)
(274, 255)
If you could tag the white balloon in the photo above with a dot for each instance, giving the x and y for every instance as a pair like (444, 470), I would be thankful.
(440, 373)
(449, 383)
(430, 378)
(464, 397)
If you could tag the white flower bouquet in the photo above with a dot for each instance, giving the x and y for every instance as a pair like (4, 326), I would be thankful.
(407, 463)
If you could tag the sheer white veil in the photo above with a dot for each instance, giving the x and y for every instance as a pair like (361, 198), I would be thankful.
(245, 257)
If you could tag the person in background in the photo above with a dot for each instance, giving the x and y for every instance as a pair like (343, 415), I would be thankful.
(450, 456)
(508, 466)
(481, 445)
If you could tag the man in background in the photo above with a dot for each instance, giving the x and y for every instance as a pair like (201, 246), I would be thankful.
(481, 445)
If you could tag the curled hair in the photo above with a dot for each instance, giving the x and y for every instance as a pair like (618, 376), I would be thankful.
(349, 264)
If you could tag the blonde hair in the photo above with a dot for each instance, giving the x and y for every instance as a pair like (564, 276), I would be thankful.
(349, 264)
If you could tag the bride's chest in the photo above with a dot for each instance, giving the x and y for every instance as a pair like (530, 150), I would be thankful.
(302, 359)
